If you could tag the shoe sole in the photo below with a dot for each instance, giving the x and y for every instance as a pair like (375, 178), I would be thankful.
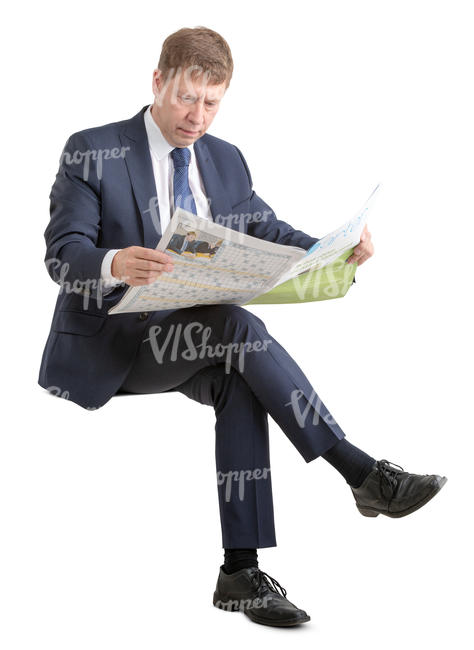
(373, 512)
(231, 606)
(255, 619)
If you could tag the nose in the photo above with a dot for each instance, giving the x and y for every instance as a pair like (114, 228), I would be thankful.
(195, 114)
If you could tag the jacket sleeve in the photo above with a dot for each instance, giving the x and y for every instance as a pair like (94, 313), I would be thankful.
(271, 228)
(72, 255)
(268, 226)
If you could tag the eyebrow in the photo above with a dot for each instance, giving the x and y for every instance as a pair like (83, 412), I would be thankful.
(209, 99)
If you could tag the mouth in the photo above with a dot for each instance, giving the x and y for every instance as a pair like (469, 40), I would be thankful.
(188, 132)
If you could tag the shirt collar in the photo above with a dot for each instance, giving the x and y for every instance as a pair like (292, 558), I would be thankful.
(159, 146)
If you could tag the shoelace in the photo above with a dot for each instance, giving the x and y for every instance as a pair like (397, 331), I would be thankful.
(263, 578)
(388, 473)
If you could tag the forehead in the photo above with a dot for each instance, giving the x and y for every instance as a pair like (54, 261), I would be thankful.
(199, 87)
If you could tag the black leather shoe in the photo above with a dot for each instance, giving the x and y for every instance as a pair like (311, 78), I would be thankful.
(388, 490)
(255, 593)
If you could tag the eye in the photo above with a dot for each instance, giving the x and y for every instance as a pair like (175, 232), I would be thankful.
(187, 99)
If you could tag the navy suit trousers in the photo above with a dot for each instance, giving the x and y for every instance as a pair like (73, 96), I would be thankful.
(223, 356)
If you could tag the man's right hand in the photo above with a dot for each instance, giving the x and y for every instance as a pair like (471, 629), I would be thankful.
(138, 266)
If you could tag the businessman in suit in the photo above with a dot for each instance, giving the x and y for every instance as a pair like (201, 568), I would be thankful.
(113, 196)
(182, 243)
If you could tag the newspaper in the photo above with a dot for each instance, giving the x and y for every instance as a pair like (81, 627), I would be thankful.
(332, 246)
(213, 264)
(323, 273)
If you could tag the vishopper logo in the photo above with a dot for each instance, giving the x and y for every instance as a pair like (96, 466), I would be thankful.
(178, 75)
(98, 155)
(242, 219)
(330, 281)
(240, 477)
(154, 208)
(301, 414)
(64, 394)
(59, 270)
(58, 392)
(241, 604)
(193, 351)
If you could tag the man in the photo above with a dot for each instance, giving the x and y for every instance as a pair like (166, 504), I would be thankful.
(182, 243)
(114, 194)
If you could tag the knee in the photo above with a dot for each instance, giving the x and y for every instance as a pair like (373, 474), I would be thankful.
(228, 382)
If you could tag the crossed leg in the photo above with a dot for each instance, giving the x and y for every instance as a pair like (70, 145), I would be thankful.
(223, 356)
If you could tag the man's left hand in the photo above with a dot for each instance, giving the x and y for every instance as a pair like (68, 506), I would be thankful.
(363, 250)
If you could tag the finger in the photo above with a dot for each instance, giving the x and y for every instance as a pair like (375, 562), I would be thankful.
(360, 250)
(139, 281)
(148, 265)
(359, 254)
(147, 275)
(365, 236)
(363, 259)
(152, 254)
(353, 258)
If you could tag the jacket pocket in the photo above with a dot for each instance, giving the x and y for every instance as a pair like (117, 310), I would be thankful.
(78, 322)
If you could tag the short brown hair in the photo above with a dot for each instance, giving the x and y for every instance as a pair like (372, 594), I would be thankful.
(201, 47)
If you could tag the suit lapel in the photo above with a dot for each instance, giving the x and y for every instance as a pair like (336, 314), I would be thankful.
(219, 204)
(140, 170)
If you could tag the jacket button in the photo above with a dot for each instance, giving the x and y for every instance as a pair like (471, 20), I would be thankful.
(143, 315)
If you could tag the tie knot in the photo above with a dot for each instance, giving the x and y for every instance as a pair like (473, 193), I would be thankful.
(181, 157)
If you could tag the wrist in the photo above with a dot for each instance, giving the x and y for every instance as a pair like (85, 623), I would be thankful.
(114, 270)
(108, 276)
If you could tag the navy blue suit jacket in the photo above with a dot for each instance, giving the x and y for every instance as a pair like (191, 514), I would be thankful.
(104, 197)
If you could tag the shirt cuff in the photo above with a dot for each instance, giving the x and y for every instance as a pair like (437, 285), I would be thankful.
(108, 280)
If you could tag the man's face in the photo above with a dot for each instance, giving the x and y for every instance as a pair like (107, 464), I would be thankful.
(191, 237)
(184, 107)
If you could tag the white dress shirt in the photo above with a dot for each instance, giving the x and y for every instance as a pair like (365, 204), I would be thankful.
(163, 171)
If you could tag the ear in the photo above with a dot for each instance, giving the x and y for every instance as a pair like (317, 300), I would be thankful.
(157, 82)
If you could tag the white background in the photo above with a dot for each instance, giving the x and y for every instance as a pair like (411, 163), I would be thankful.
(110, 530)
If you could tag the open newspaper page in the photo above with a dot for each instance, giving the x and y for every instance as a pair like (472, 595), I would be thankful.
(332, 246)
(212, 264)
(323, 273)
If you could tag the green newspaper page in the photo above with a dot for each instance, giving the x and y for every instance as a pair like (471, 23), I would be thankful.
(332, 281)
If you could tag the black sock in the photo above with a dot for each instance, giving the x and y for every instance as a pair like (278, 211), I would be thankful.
(353, 463)
(239, 558)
